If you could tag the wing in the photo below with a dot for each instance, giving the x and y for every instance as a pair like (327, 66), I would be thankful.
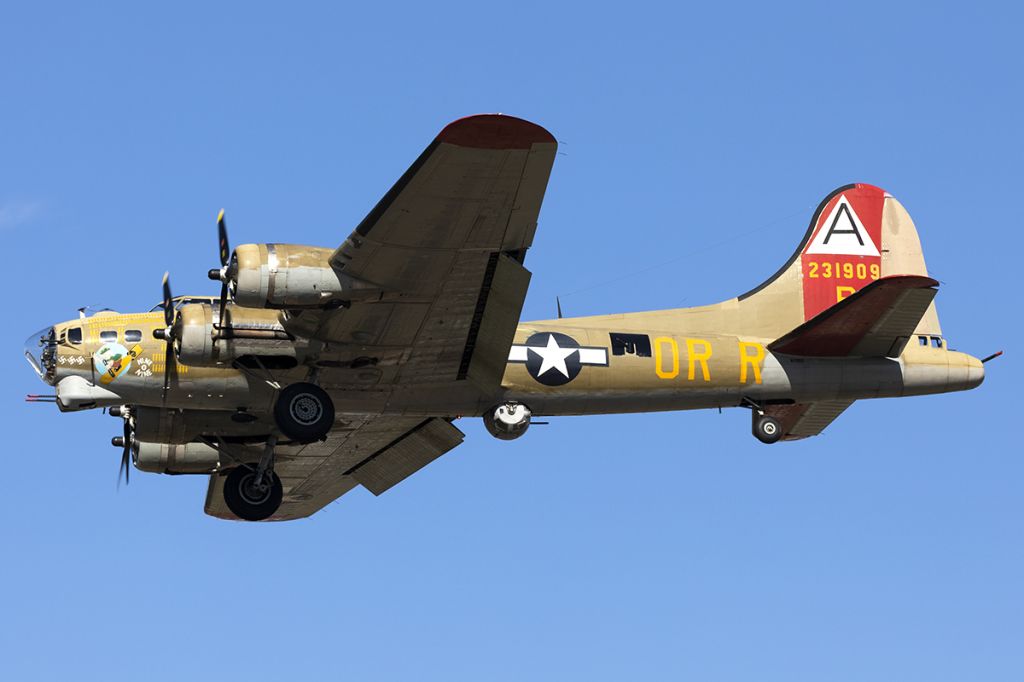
(877, 321)
(442, 255)
(807, 419)
(377, 452)
(438, 264)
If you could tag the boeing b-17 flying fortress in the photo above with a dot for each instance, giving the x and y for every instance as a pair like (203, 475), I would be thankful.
(316, 369)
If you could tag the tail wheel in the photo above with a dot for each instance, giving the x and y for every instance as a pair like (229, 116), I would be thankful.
(767, 429)
(304, 412)
(249, 501)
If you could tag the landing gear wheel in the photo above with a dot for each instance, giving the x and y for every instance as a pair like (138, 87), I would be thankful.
(251, 502)
(766, 429)
(304, 412)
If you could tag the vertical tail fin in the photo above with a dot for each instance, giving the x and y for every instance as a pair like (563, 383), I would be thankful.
(857, 235)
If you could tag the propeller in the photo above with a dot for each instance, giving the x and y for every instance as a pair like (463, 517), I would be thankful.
(223, 274)
(124, 442)
(126, 453)
(167, 333)
(168, 301)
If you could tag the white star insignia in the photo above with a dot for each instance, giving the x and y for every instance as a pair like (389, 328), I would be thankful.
(553, 357)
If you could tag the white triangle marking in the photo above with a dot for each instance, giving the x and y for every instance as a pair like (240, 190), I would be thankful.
(842, 233)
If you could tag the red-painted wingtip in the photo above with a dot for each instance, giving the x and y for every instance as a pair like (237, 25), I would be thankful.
(494, 131)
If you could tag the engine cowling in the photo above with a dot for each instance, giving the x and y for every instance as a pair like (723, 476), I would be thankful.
(289, 276)
(175, 458)
(202, 340)
(188, 458)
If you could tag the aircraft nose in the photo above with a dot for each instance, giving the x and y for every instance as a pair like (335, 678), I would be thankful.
(41, 353)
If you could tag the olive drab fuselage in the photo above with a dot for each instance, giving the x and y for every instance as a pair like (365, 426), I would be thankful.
(639, 369)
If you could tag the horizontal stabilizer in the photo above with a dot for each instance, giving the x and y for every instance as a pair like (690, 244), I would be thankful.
(876, 321)
(803, 420)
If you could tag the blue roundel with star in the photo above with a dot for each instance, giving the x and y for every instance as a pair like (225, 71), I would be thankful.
(553, 358)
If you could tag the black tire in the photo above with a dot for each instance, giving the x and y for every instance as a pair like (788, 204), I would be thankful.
(767, 429)
(304, 412)
(250, 504)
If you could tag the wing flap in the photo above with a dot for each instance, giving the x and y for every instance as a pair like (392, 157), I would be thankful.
(407, 455)
(876, 321)
(494, 323)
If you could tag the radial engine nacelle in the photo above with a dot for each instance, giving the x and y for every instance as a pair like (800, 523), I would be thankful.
(289, 276)
(175, 458)
(203, 340)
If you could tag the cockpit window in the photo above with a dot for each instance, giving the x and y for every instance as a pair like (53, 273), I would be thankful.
(922, 340)
(132, 336)
(75, 335)
(936, 342)
(108, 336)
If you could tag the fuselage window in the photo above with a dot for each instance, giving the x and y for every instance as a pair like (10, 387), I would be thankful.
(936, 342)
(75, 335)
(108, 336)
(132, 336)
(631, 344)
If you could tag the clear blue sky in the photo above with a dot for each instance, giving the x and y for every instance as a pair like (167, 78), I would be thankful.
(657, 547)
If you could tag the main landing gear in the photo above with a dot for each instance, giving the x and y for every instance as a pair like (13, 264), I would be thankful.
(304, 412)
(255, 494)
